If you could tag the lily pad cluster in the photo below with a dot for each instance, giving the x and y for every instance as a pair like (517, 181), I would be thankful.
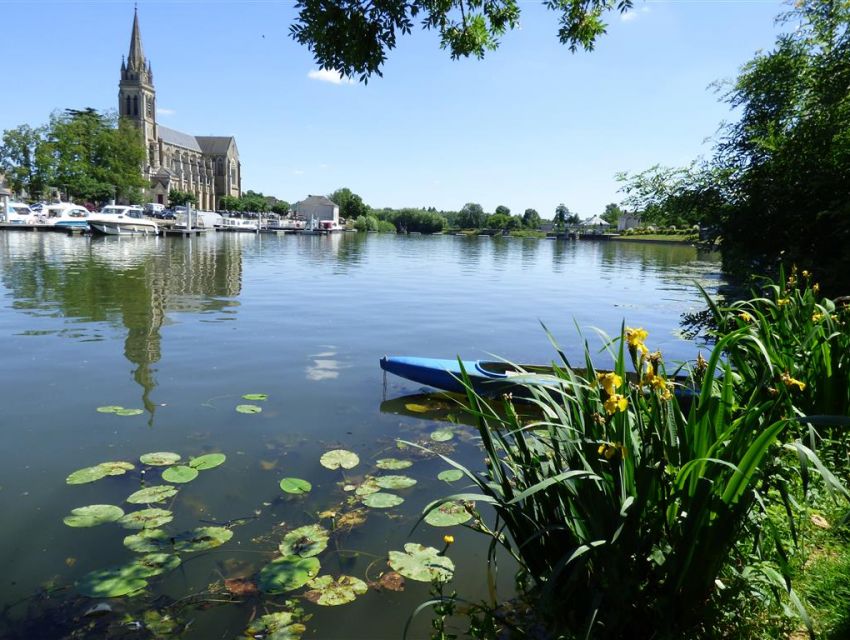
(425, 564)
(98, 471)
(182, 473)
(120, 411)
(281, 625)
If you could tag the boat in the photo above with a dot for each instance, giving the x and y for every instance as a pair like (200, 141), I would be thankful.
(19, 213)
(488, 378)
(64, 215)
(208, 220)
(239, 224)
(118, 220)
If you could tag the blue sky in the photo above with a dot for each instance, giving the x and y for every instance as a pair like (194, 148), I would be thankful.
(531, 125)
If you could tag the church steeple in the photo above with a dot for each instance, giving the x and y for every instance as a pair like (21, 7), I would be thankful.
(136, 58)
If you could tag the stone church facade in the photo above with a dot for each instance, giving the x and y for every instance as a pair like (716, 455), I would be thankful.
(206, 166)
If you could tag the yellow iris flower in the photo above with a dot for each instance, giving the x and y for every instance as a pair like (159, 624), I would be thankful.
(783, 301)
(793, 382)
(636, 337)
(746, 317)
(610, 382)
(610, 449)
(616, 403)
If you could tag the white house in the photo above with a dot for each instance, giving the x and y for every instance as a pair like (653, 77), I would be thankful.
(318, 207)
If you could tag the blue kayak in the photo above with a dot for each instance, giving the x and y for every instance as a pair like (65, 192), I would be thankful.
(488, 378)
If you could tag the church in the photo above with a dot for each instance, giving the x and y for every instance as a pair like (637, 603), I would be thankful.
(206, 166)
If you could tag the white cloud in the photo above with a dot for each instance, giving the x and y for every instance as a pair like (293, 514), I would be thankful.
(329, 75)
(165, 112)
(631, 16)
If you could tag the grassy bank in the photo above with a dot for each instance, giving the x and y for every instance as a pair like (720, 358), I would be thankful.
(674, 239)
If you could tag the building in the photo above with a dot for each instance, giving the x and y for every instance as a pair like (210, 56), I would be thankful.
(206, 166)
(628, 221)
(318, 208)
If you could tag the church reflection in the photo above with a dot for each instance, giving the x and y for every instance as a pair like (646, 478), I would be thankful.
(133, 282)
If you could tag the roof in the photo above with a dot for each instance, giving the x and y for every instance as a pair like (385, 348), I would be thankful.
(215, 145)
(318, 200)
(178, 138)
(596, 220)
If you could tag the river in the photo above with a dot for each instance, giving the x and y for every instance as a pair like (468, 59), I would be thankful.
(178, 330)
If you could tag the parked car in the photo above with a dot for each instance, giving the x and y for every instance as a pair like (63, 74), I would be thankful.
(165, 214)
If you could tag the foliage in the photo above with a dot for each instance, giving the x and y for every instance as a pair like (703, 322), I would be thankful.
(351, 206)
(177, 198)
(471, 216)
(24, 159)
(353, 36)
(531, 219)
(412, 220)
(281, 207)
(612, 214)
(623, 503)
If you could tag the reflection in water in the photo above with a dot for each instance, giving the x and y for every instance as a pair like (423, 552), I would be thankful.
(131, 282)
(324, 367)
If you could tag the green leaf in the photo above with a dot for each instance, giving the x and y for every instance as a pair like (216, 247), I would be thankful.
(330, 592)
(90, 474)
(149, 541)
(367, 487)
(337, 458)
(296, 486)
(248, 408)
(179, 474)
(146, 519)
(112, 583)
(382, 500)
(450, 475)
(160, 458)
(283, 625)
(421, 563)
(202, 539)
(442, 435)
(129, 412)
(288, 573)
(93, 515)
(306, 541)
(394, 482)
(208, 461)
(158, 493)
(154, 564)
(255, 396)
(448, 514)
(109, 409)
(393, 464)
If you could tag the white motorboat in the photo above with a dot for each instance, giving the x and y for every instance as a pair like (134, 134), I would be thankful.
(238, 224)
(118, 220)
(19, 213)
(64, 215)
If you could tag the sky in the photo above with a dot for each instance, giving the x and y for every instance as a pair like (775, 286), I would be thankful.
(530, 126)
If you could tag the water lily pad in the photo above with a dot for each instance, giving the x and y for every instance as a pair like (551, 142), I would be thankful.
(254, 397)
(90, 474)
(160, 458)
(367, 487)
(448, 514)
(179, 474)
(393, 464)
(129, 412)
(93, 515)
(306, 541)
(208, 461)
(337, 458)
(288, 573)
(421, 563)
(157, 493)
(112, 583)
(441, 435)
(146, 519)
(109, 409)
(382, 500)
(283, 625)
(395, 482)
(450, 475)
(248, 408)
(150, 541)
(154, 564)
(330, 592)
(295, 485)
(202, 539)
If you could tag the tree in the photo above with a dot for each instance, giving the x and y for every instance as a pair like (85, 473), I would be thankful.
(351, 206)
(498, 221)
(612, 214)
(353, 37)
(178, 198)
(471, 216)
(561, 213)
(281, 207)
(503, 210)
(230, 203)
(531, 219)
(24, 159)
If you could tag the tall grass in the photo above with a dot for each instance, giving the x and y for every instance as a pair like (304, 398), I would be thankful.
(625, 502)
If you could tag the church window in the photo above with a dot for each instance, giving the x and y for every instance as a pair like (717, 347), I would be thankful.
(149, 106)
(135, 105)
(127, 111)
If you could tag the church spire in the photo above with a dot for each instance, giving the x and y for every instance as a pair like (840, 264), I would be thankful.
(136, 58)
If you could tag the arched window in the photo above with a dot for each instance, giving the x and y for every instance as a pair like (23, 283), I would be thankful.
(127, 111)
(135, 105)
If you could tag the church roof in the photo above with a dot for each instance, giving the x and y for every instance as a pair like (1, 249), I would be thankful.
(179, 139)
(215, 145)
(318, 200)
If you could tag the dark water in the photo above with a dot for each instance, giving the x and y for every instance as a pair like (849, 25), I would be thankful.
(182, 328)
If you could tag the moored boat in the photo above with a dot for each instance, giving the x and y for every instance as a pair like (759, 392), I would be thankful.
(117, 220)
(64, 215)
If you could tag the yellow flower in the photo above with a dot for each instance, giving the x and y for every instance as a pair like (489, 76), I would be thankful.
(746, 317)
(783, 301)
(610, 382)
(792, 382)
(658, 383)
(636, 336)
(806, 274)
(610, 449)
(817, 317)
(448, 539)
(616, 403)
(702, 365)
(649, 374)
(815, 288)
